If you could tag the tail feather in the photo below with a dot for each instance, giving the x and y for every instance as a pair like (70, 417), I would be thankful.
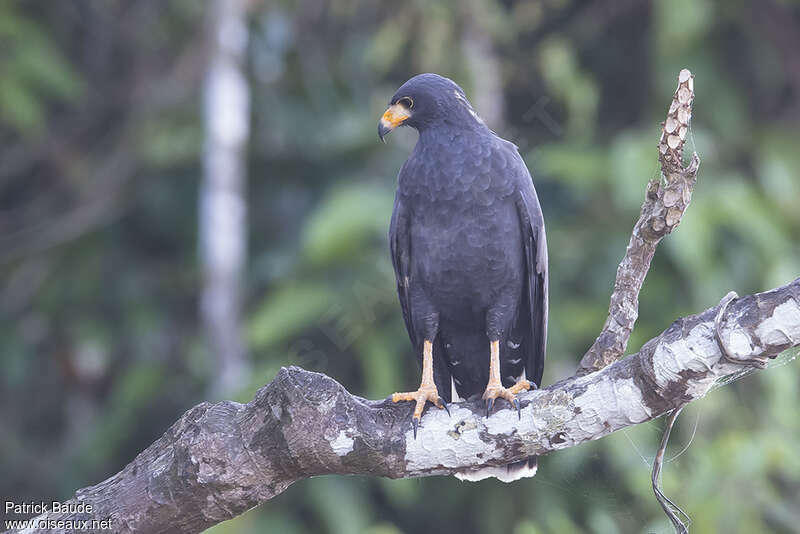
(504, 473)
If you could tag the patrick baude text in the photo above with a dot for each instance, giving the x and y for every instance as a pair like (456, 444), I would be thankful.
(42, 507)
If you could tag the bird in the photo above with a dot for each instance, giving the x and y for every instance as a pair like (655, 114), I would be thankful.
(468, 247)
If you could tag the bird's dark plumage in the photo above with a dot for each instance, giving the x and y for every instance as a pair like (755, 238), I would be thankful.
(467, 242)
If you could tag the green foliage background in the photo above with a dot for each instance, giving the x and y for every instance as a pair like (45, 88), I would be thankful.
(100, 147)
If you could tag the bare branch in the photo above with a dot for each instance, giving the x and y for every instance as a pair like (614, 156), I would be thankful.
(222, 459)
(665, 202)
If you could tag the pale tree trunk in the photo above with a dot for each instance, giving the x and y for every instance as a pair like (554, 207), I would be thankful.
(485, 71)
(223, 209)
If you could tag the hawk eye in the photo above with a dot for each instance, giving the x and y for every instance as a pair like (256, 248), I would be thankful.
(406, 102)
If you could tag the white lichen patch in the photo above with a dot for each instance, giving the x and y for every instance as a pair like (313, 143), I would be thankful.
(700, 352)
(605, 406)
(501, 473)
(434, 447)
(499, 422)
(343, 444)
(552, 414)
(783, 326)
(327, 405)
(738, 343)
(697, 351)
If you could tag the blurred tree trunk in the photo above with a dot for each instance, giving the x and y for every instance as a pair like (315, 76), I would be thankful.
(223, 210)
(483, 64)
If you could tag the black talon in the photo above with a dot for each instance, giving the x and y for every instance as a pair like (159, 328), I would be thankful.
(517, 405)
(489, 406)
(444, 405)
(415, 424)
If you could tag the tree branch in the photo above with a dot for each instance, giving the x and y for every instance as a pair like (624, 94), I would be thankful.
(219, 460)
(665, 202)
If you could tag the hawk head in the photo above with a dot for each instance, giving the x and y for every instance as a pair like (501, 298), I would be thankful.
(427, 100)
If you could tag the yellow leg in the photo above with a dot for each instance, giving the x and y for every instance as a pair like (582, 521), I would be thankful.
(494, 388)
(427, 391)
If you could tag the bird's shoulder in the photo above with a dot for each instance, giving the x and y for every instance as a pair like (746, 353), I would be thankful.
(463, 162)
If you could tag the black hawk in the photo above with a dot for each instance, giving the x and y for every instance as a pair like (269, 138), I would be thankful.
(469, 252)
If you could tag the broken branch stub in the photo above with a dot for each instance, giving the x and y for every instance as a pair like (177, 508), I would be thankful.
(665, 202)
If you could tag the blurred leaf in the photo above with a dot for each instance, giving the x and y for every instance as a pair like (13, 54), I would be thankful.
(569, 83)
(348, 217)
(389, 41)
(583, 168)
(33, 69)
(337, 500)
(18, 106)
(286, 312)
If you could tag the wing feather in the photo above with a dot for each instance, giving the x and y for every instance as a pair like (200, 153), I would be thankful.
(535, 243)
(400, 247)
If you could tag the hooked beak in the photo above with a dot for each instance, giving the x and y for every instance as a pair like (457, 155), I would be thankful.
(391, 119)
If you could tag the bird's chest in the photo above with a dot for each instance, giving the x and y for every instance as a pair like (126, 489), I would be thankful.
(466, 246)
(465, 238)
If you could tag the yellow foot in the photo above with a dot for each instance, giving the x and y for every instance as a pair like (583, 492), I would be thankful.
(420, 397)
(494, 391)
